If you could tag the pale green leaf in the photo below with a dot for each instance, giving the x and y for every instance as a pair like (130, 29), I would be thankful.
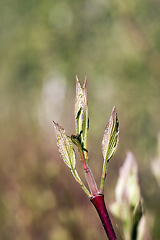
(65, 146)
(111, 136)
(109, 143)
(84, 114)
(67, 153)
(78, 107)
(81, 111)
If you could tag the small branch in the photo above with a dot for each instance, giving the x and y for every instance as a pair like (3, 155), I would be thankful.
(91, 182)
(99, 204)
(88, 173)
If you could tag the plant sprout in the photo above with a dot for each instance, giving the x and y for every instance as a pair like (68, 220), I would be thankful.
(109, 146)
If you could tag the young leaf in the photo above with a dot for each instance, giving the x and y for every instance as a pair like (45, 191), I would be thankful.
(65, 146)
(84, 114)
(111, 136)
(81, 113)
(67, 153)
(78, 107)
(109, 143)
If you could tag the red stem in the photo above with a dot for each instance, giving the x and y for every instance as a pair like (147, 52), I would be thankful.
(98, 202)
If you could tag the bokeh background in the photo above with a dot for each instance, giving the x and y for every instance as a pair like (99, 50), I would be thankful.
(43, 45)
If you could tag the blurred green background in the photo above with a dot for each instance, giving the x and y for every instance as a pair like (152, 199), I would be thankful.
(43, 45)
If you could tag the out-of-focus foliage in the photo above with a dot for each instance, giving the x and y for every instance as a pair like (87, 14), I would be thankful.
(128, 206)
(155, 164)
(43, 45)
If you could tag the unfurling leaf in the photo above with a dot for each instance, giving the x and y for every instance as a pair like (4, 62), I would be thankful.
(67, 153)
(84, 114)
(65, 146)
(78, 107)
(81, 111)
(111, 136)
(109, 143)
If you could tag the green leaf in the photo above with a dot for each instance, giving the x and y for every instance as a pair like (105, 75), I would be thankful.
(84, 114)
(81, 109)
(111, 136)
(78, 107)
(81, 113)
(109, 143)
(65, 146)
(66, 150)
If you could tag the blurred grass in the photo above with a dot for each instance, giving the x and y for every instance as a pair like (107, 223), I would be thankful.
(44, 44)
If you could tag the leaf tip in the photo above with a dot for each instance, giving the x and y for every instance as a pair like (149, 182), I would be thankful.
(114, 111)
(77, 80)
(115, 117)
(85, 83)
(55, 124)
(57, 127)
